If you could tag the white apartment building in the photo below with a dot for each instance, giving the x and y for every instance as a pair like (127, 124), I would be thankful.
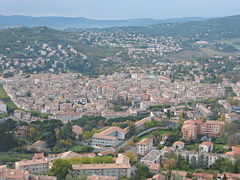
(109, 137)
(144, 146)
(37, 166)
(121, 168)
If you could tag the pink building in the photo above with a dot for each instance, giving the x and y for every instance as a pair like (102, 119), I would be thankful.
(193, 128)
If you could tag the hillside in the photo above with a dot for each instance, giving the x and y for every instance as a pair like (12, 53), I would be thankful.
(43, 49)
(79, 23)
(102, 51)
(212, 29)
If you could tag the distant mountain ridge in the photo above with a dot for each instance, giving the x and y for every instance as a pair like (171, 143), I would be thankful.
(210, 29)
(83, 23)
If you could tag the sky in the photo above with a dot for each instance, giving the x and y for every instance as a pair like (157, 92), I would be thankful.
(121, 9)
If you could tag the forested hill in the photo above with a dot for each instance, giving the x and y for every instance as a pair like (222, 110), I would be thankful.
(81, 22)
(227, 27)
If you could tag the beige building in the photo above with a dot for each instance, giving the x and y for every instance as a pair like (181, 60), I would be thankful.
(109, 137)
(206, 147)
(38, 146)
(192, 128)
(13, 174)
(178, 145)
(212, 127)
(144, 146)
(17, 174)
(189, 130)
(37, 166)
(121, 168)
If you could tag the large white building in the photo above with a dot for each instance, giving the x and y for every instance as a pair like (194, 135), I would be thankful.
(121, 168)
(154, 156)
(109, 137)
(36, 166)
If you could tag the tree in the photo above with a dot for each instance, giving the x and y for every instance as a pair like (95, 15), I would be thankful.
(231, 128)
(7, 137)
(224, 177)
(222, 117)
(169, 164)
(60, 168)
(131, 156)
(234, 139)
(202, 118)
(182, 164)
(132, 129)
(142, 172)
(131, 143)
(193, 162)
(73, 176)
(202, 164)
(181, 118)
(87, 135)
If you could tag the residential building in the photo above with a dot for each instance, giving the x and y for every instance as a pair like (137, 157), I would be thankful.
(13, 174)
(154, 156)
(154, 168)
(144, 146)
(77, 130)
(17, 174)
(157, 177)
(178, 145)
(189, 130)
(120, 168)
(102, 178)
(212, 127)
(206, 147)
(38, 146)
(37, 166)
(109, 137)
(140, 125)
(232, 117)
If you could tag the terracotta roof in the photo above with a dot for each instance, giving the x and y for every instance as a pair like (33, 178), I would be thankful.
(154, 166)
(100, 166)
(122, 159)
(232, 175)
(142, 121)
(77, 129)
(179, 143)
(31, 162)
(180, 173)
(38, 156)
(203, 175)
(68, 155)
(145, 141)
(105, 134)
(236, 149)
(206, 144)
(13, 174)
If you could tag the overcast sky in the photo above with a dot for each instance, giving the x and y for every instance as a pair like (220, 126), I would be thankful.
(121, 9)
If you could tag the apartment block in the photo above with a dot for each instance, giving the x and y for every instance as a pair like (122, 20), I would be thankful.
(36, 166)
(144, 146)
(109, 137)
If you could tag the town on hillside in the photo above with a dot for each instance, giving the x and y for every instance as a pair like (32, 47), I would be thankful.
(134, 124)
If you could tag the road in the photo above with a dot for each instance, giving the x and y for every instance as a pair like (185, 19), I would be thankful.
(125, 143)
